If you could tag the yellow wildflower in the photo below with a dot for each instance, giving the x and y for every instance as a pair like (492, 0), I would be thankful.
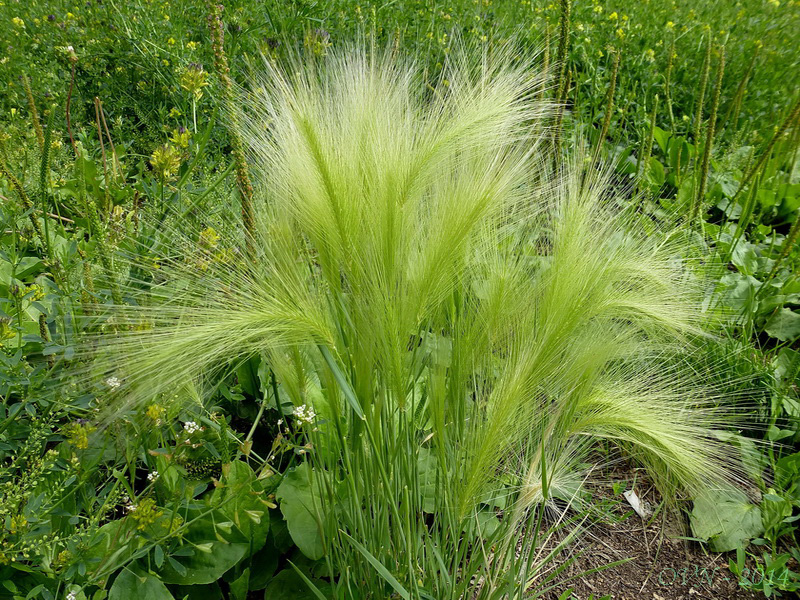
(36, 292)
(192, 45)
(171, 41)
(194, 79)
(612, 16)
(180, 137)
(145, 513)
(17, 524)
(165, 161)
(18, 22)
(156, 413)
(670, 25)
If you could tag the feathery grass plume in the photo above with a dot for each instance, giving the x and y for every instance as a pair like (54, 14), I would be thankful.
(612, 85)
(701, 188)
(463, 327)
(701, 94)
(37, 125)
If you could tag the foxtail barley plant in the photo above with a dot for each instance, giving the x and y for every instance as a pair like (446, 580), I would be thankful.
(455, 329)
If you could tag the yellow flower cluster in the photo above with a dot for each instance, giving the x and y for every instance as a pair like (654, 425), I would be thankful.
(156, 413)
(165, 160)
(194, 79)
(145, 513)
(77, 434)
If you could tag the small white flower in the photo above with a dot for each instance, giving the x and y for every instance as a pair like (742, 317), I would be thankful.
(113, 382)
(152, 476)
(304, 414)
(72, 596)
(130, 507)
(70, 49)
(280, 422)
(191, 427)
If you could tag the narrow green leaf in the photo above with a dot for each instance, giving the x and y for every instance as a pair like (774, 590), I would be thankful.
(342, 381)
(383, 571)
(314, 589)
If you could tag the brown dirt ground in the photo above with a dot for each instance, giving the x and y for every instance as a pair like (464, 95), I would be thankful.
(661, 567)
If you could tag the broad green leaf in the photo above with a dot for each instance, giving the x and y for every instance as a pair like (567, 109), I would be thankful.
(655, 172)
(204, 567)
(241, 500)
(726, 519)
(661, 137)
(300, 510)
(240, 586)
(784, 325)
(133, 586)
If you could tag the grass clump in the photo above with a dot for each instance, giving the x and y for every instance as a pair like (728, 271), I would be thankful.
(456, 326)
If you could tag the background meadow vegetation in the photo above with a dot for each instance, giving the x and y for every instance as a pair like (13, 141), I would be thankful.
(118, 153)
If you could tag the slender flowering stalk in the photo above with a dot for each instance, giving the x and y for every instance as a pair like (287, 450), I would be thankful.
(27, 205)
(37, 126)
(73, 61)
(106, 192)
(643, 166)
(701, 188)
(561, 65)
(668, 81)
(794, 114)
(788, 244)
(733, 109)
(244, 185)
(44, 178)
(698, 113)
(609, 104)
